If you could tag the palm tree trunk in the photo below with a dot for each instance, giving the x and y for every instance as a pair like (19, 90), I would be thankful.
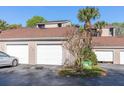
(100, 32)
(87, 28)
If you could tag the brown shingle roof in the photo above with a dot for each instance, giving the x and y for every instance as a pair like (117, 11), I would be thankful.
(108, 41)
(35, 32)
(57, 32)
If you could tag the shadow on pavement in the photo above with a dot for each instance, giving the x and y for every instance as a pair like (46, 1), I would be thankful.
(1, 67)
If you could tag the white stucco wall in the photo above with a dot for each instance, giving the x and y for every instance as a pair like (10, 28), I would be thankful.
(66, 24)
(106, 32)
(54, 25)
(51, 25)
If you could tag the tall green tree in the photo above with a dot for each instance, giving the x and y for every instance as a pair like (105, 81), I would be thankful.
(3, 25)
(99, 26)
(32, 22)
(87, 14)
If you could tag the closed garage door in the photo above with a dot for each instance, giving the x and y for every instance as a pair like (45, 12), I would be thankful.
(121, 57)
(49, 54)
(19, 51)
(104, 56)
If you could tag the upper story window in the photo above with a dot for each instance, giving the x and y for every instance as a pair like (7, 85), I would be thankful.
(111, 31)
(59, 24)
(54, 24)
(41, 25)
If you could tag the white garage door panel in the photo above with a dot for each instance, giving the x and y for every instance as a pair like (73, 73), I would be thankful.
(49, 54)
(104, 56)
(19, 51)
(121, 57)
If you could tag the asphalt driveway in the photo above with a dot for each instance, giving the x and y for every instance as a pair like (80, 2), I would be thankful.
(27, 75)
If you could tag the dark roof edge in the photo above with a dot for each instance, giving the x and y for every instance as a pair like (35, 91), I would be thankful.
(108, 47)
(51, 22)
(35, 39)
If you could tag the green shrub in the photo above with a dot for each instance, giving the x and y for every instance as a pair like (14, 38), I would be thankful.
(88, 54)
(91, 73)
(86, 64)
(94, 72)
(67, 72)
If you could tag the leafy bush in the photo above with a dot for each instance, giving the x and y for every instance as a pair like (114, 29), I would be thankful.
(94, 72)
(91, 73)
(86, 64)
(88, 54)
(67, 72)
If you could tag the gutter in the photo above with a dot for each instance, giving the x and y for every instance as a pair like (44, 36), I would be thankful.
(34, 39)
(109, 47)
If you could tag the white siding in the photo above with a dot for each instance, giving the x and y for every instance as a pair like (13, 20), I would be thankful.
(51, 25)
(106, 32)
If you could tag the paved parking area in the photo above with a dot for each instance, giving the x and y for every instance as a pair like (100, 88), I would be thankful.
(27, 75)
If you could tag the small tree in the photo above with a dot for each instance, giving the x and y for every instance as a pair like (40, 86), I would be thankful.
(34, 20)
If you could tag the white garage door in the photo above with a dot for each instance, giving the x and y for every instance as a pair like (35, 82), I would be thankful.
(49, 54)
(19, 51)
(104, 56)
(121, 57)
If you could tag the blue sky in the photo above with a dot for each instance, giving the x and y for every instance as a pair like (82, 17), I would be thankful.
(22, 13)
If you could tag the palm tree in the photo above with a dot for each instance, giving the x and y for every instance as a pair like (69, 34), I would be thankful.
(3, 25)
(99, 26)
(87, 14)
